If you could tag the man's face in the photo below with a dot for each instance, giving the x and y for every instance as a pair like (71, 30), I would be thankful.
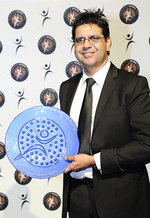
(93, 56)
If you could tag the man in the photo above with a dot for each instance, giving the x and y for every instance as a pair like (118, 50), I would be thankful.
(111, 180)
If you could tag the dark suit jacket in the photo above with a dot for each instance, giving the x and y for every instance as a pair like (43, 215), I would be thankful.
(122, 134)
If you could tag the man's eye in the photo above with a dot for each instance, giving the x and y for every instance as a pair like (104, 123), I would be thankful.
(93, 37)
(81, 39)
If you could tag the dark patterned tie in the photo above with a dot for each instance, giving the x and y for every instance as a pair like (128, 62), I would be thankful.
(85, 118)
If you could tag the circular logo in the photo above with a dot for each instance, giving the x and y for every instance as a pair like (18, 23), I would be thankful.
(2, 150)
(51, 201)
(2, 98)
(73, 68)
(129, 14)
(43, 147)
(47, 44)
(17, 19)
(131, 66)
(48, 97)
(21, 178)
(19, 72)
(70, 15)
(1, 46)
(3, 201)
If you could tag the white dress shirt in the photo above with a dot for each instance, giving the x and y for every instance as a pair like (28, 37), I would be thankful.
(99, 78)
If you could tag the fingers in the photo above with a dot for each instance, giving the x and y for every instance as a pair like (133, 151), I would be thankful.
(69, 168)
(69, 158)
(79, 162)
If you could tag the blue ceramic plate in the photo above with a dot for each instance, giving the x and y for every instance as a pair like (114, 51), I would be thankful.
(38, 140)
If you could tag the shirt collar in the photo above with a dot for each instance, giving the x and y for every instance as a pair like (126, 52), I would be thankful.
(99, 77)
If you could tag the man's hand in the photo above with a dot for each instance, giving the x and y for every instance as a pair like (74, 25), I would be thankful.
(79, 162)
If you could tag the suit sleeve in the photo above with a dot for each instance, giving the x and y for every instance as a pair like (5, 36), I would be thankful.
(137, 152)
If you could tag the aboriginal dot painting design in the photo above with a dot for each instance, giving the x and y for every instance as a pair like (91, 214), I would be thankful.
(41, 142)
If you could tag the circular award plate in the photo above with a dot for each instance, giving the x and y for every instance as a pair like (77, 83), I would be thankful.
(38, 140)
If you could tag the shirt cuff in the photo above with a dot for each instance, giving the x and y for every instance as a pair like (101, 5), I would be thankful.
(97, 158)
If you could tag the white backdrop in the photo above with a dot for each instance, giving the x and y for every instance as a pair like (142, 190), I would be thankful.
(47, 71)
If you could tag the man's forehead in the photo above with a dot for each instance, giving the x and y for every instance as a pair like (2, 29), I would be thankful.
(90, 26)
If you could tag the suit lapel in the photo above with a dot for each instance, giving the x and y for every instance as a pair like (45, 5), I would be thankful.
(109, 85)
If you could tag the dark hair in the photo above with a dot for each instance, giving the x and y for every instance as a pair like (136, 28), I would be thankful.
(91, 17)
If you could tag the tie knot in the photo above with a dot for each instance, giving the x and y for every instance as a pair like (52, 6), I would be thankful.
(90, 82)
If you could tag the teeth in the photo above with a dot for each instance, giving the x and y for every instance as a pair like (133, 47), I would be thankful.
(87, 53)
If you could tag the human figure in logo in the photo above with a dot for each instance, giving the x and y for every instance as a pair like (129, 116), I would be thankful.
(18, 72)
(108, 177)
(128, 15)
(74, 70)
(16, 20)
(48, 97)
(72, 17)
(46, 45)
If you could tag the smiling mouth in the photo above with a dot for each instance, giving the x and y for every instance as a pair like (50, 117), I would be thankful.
(87, 54)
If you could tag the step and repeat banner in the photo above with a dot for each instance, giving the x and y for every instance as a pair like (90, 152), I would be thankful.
(36, 55)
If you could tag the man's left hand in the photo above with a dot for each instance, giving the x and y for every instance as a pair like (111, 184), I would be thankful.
(79, 162)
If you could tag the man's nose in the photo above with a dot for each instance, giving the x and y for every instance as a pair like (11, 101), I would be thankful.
(87, 42)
